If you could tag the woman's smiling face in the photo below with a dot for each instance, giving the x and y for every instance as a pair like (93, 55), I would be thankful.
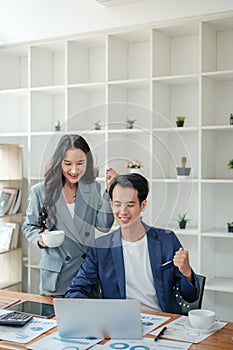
(74, 165)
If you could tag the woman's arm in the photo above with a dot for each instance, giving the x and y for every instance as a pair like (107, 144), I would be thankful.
(30, 227)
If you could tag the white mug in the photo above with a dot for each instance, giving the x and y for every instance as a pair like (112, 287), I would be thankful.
(202, 319)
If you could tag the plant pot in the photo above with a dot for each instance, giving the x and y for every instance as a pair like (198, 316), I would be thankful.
(230, 228)
(129, 126)
(231, 121)
(135, 170)
(182, 224)
(183, 171)
(179, 123)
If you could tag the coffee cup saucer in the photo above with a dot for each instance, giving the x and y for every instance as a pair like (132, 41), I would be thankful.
(203, 331)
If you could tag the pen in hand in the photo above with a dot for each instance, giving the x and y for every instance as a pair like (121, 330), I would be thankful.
(160, 334)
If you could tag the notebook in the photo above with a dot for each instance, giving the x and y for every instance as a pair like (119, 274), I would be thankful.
(100, 318)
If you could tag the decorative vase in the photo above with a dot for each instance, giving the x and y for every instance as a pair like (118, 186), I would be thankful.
(129, 126)
(230, 228)
(135, 170)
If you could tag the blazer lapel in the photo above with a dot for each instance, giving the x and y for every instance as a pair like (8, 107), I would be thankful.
(82, 200)
(118, 260)
(63, 212)
(155, 255)
(73, 227)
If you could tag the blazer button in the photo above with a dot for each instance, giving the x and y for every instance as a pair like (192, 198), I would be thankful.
(87, 234)
(67, 258)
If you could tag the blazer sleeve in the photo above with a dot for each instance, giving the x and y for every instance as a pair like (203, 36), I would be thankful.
(104, 216)
(86, 278)
(30, 225)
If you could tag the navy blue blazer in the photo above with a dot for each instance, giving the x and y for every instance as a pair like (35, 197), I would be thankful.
(105, 263)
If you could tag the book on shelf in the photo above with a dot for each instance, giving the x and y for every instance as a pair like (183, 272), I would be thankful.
(6, 198)
(10, 199)
(9, 232)
(16, 202)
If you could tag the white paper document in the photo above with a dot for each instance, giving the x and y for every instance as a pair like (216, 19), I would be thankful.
(145, 343)
(150, 322)
(55, 342)
(178, 330)
(30, 331)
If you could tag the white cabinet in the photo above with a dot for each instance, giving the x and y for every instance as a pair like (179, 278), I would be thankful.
(150, 74)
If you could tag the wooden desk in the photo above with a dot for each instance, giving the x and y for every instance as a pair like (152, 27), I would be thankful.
(220, 340)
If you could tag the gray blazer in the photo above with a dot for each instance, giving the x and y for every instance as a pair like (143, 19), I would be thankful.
(59, 265)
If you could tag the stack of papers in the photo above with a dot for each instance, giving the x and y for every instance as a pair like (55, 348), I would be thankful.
(179, 330)
(30, 331)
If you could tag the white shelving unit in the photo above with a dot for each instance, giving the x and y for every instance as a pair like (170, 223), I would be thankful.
(150, 73)
(11, 175)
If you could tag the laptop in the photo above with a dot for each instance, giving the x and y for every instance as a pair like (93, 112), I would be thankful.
(99, 318)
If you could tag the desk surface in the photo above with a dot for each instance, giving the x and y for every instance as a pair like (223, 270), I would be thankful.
(220, 340)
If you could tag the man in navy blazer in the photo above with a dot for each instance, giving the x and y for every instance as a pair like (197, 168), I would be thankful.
(136, 261)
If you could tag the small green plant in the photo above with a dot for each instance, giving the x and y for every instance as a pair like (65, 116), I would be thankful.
(230, 164)
(182, 220)
(58, 126)
(231, 118)
(230, 226)
(130, 123)
(183, 162)
(180, 118)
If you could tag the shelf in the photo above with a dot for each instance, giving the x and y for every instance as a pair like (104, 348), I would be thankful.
(188, 231)
(219, 75)
(185, 79)
(220, 284)
(15, 92)
(218, 233)
(175, 180)
(8, 284)
(174, 129)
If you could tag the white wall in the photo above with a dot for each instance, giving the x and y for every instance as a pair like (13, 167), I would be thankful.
(26, 20)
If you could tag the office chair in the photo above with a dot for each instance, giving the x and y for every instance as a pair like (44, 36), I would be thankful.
(185, 306)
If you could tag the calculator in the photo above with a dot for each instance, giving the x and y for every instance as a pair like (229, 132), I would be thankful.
(14, 319)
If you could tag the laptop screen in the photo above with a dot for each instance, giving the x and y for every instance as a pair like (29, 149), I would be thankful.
(100, 318)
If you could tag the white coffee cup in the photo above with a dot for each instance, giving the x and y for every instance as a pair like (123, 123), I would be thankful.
(53, 239)
(202, 319)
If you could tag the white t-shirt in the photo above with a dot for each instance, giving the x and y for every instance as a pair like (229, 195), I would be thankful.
(138, 274)
(71, 209)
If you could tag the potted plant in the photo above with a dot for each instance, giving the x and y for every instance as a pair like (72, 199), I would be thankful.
(58, 126)
(130, 123)
(182, 220)
(180, 120)
(134, 166)
(231, 119)
(230, 164)
(230, 226)
(97, 125)
(183, 171)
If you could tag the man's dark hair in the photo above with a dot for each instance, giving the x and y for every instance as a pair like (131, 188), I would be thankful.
(135, 181)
